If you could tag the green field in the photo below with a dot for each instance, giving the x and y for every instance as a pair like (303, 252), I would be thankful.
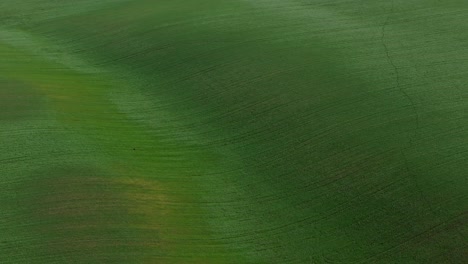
(233, 131)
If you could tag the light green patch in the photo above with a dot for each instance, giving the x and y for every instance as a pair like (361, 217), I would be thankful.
(44, 49)
(79, 102)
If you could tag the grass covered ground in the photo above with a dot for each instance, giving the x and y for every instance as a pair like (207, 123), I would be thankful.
(233, 131)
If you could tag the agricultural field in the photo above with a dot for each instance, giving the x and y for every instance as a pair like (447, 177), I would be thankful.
(233, 131)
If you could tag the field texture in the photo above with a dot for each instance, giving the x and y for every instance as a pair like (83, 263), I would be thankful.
(233, 131)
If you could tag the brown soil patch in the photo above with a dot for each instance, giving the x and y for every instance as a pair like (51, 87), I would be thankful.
(84, 210)
(18, 101)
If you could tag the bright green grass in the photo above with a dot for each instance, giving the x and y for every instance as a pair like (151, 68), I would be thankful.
(148, 169)
(233, 131)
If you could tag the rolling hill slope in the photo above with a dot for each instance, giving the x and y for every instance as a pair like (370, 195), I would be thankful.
(233, 131)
